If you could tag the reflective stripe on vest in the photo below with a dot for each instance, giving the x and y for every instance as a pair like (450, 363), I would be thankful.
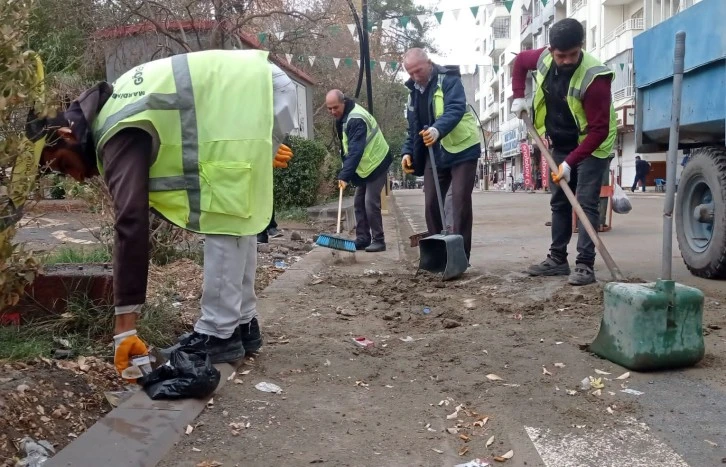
(192, 177)
(376, 148)
(465, 134)
(589, 69)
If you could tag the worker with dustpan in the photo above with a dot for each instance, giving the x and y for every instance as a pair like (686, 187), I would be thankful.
(438, 119)
(573, 106)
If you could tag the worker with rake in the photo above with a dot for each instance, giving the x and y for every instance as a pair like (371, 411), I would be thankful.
(193, 138)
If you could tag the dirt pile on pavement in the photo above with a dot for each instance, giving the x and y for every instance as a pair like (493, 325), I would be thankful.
(52, 400)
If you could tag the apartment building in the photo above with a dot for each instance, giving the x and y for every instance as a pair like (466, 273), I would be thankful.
(610, 27)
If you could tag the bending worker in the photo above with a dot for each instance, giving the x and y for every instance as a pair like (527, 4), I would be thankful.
(437, 100)
(366, 159)
(194, 138)
(573, 107)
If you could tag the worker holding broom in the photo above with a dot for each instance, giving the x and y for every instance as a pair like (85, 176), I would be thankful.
(366, 159)
(573, 106)
(194, 138)
(437, 101)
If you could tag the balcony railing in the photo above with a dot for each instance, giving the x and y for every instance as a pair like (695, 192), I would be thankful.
(624, 93)
(577, 5)
(633, 24)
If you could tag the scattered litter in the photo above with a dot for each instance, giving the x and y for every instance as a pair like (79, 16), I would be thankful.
(559, 343)
(361, 383)
(711, 443)
(541, 341)
(363, 342)
(610, 410)
(37, 453)
(317, 281)
(633, 392)
(464, 450)
(389, 386)
(481, 423)
(409, 339)
(327, 362)
(426, 310)
(280, 264)
(437, 451)
(511, 385)
(596, 383)
(372, 272)
(116, 398)
(493, 377)
(611, 393)
(209, 464)
(238, 381)
(504, 457)
(518, 317)
(545, 372)
(231, 377)
(560, 365)
(625, 375)
(600, 372)
(585, 383)
(571, 392)
(268, 387)
(475, 463)
(225, 413)
(196, 450)
(597, 392)
(246, 372)
(456, 412)
(485, 351)
(189, 430)
(452, 431)
(444, 402)
(490, 441)
(470, 303)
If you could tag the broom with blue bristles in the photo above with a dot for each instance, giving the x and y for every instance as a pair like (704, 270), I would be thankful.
(337, 243)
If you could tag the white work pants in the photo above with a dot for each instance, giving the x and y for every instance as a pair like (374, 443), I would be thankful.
(228, 290)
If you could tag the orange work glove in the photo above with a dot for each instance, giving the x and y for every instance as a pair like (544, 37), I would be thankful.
(430, 136)
(283, 156)
(127, 345)
(406, 164)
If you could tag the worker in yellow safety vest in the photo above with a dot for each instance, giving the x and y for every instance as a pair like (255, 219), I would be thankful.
(193, 138)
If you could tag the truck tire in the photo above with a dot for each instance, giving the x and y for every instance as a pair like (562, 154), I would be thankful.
(702, 240)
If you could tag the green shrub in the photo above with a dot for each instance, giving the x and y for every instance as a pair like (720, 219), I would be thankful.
(298, 184)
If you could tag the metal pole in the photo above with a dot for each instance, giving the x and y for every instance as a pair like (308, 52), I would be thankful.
(366, 58)
(671, 161)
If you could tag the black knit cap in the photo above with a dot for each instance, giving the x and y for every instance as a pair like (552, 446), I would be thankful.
(567, 34)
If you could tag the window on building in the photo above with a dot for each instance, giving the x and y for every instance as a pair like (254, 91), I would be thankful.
(500, 27)
(593, 37)
(584, 26)
(638, 14)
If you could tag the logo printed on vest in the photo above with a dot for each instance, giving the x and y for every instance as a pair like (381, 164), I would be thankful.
(138, 75)
(127, 95)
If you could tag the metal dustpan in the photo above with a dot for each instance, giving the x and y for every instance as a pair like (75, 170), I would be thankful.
(442, 253)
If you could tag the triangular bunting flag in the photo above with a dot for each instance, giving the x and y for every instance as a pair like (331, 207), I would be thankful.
(383, 65)
(622, 66)
(475, 11)
(358, 63)
(508, 4)
(280, 35)
(300, 58)
(334, 29)
(348, 62)
(403, 21)
(422, 19)
(336, 61)
(439, 15)
(262, 37)
(351, 28)
(373, 64)
(456, 14)
(370, 27)
(544, 2)
(288, 57)
(394, 66)
(311, 59)
(630, 66)
(496, 69)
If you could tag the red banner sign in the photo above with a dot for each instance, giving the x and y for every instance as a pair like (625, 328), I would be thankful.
(544, 168)
(526, 165)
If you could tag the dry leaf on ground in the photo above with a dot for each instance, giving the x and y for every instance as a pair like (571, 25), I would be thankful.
(493, 377)
(490, 441)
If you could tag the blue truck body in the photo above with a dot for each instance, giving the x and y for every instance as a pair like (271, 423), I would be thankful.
(703, 114)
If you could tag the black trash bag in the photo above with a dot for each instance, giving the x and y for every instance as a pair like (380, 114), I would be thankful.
(187, 374)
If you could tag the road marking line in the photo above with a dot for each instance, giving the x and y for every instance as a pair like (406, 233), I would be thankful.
(626, 444)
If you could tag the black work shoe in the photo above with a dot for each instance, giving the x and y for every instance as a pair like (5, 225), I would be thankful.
(274, 233)
(376, 247)
(549, 267)
(262, 238)
(361, 245)
(582, 275)
(219, 350)
(251, 336)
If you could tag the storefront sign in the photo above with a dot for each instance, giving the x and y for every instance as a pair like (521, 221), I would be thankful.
(526, 165)
(543, 166)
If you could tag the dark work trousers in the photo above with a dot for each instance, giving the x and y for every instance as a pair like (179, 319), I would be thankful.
(367, 203)
(635, 183)
(585, 181)
(461, 180)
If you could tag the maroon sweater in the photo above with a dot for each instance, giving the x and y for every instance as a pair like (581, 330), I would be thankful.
(596, 102)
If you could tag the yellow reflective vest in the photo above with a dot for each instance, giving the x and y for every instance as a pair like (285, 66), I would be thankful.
(210, 115)
(376, 146)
